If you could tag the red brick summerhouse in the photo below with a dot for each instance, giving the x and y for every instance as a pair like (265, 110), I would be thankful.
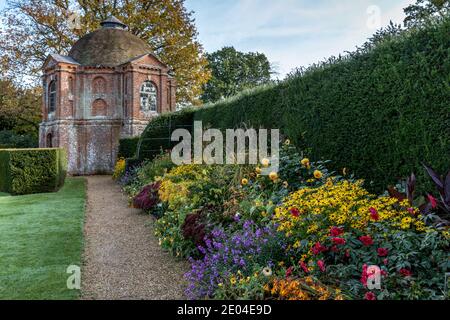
(108, 87)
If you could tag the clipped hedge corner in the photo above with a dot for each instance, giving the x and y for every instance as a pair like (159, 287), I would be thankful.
(157, 135)
(27, 171)
(127, 147)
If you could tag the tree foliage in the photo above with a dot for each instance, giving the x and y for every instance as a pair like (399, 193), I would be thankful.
(20, 108)
(234, 71)
(422, 10)
(34, 28)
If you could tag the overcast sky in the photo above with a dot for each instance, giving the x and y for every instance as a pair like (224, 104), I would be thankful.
(291, 33)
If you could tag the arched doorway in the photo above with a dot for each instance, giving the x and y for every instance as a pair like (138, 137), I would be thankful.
(49, 141)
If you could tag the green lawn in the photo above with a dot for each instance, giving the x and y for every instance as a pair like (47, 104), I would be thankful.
(40, 236)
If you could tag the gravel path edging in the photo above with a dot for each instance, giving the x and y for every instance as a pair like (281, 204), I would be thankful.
(122, 257)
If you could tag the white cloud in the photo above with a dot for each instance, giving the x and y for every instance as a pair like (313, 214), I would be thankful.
(291, 33)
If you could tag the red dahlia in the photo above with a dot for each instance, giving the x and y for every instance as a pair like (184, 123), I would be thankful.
(405, 272)
(295, 212)
(374, 214)
(382, 252)
(336, 232)
(366, 240)
(339, 241)
(370, 296)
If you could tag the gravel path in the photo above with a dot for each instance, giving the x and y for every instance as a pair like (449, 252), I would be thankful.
(122, 258)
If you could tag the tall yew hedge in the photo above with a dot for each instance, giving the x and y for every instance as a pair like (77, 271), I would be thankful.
(379, 112)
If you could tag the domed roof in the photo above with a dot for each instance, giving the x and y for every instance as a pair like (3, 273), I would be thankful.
(108, 46)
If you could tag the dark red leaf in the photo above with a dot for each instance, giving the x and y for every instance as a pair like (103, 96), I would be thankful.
(411, 187)
(447, 190)
(435, 177)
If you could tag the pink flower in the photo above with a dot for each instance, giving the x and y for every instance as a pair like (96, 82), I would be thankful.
(405, 272)
(336, 232)
(366, 240)
(364, 275)
(383, 273)
(412, 211)
(321, 265)
(382, 252)
(374, 214)
(334, 248)
(295, 212)
(304, 267)
(386, 262)
(370, 296)
(339, 241)
(433, 201)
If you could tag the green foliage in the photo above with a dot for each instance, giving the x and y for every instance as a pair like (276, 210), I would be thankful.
(10, 139)
(20, 109)
(127, 147)
(26, 171)
(157, 135)
(379, 112)
(421, 11)
(234, 71)
(244, 232)
(140, 174)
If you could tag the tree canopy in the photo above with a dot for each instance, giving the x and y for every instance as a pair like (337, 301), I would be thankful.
(422, 10)
(34, 28)
(20, 109)
(234, 71)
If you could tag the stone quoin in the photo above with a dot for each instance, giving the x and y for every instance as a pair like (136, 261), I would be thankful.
(108, 87)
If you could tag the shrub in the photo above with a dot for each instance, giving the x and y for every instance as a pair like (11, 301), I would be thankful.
(26, 171)
(127, 147)
(364, 111)
(335, 231)
(148, 198)
(380, 112)
(157, 135)
(301, 233)
(10, 139)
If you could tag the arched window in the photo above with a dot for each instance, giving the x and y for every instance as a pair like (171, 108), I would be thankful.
(52, 97)
(149, 97)
(98, 86)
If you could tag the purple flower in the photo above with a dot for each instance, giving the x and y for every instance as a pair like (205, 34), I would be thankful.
(227, 252)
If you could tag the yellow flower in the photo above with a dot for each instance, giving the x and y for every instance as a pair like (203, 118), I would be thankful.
(285, 184)
(287, 142)
(265, 162)
(329, 183)
(258, 170)
(273, 176)
(305, 162)
(244, 182)
(318, 174)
